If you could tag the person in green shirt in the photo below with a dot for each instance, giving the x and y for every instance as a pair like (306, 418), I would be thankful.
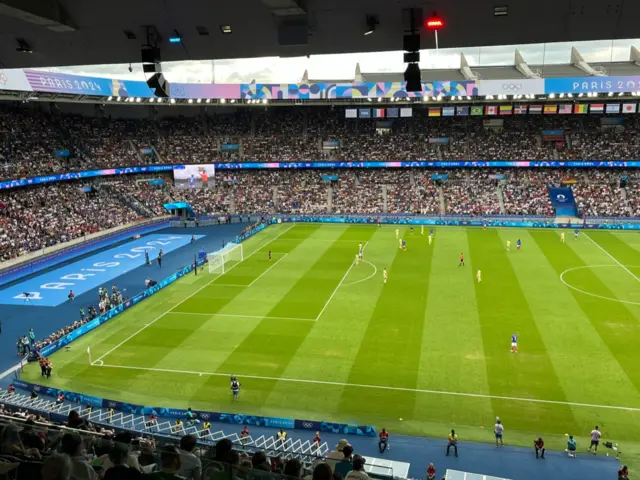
(571, 447)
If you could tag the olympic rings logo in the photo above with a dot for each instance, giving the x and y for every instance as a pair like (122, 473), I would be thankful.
(512, 87)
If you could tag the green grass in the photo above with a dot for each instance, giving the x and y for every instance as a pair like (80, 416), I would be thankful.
(432, 330)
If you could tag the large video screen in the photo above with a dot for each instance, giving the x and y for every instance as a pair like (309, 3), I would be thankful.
(193, 176)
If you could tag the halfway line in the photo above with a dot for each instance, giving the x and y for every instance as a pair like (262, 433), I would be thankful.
(382, 387)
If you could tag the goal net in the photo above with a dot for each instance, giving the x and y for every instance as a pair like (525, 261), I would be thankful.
(222, 260)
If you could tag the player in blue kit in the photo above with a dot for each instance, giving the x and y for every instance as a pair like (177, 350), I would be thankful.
(518, 245)
(514, 343)
(575, 233)
(404, 246)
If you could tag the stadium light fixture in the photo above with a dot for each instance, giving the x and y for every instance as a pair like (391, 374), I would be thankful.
(434, 23)
(372, 23)
(580, 95)
(160, 99)
(208, 100)
(562, 95)
(379, 99)
(175, 38)
(621, 94)
(118, 99)
(151, 100)
(223, 100)
(172, 101)
(233, 100)
(199, 100)
(611, 94)
(552, 95)
(190, 100)
(138, 100)
(570, 95)
(109, 98)
(265, 101)
(225, 29)
(468, 97)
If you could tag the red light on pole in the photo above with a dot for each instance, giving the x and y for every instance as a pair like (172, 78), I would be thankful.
(434, 23)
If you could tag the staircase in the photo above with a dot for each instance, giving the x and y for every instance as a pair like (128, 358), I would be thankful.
(443, 208)
(500, 200)
(131, 202)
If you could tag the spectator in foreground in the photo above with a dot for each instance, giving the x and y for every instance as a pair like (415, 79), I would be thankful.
(336, 455)
(72, 446)
(572, 446)
(358, 472)
(120, 470)
(191, 465)
(539, 446)
(322, 471)
(57, 467)
(344, 466)
(453, 442)
(293, 468)
(170, 464)
(259, 462)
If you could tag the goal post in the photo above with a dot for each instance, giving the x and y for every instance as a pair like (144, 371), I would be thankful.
(223, 259)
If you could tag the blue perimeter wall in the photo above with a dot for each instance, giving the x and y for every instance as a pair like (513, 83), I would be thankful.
(255, 420)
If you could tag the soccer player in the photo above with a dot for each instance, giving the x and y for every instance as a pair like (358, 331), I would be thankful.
(508, 245)
(484, 225)
(235, 388)
(461, 264)
(595, 440)
(421, 229)
(357, 260)
(498, 429)
(269, 255)
(384, 275)
(411, 230)
(360, 251)
(479, 275)
(514, 343)
(561, 237)
(404, 246)
(518, 245)
(397, 233)
(575, 233)
(430, 239)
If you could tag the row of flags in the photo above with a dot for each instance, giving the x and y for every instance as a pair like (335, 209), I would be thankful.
(562, 109)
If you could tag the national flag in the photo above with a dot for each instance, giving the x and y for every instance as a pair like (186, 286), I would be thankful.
(519, 109)
(462, 111)
(629, 107)
(613, 108)
(580, 108)
(491, 110)
(448, 111)
(506, 109)
(596, 108)
(378, 112)
(549, 109)
(476, 110)
(565, 109)
(434, 111)
(535, 108)
(392, 112)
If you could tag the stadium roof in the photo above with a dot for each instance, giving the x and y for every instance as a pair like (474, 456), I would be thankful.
(81, 32)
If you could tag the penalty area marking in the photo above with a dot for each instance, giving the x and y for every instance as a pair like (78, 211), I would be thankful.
(567, 284)
(375, 270)
(381, 387)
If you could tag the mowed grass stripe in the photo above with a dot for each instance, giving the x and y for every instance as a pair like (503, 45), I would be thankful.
(503, 310)
(257, 300)
(328, 352)
(389, 354)
(269, 348)
(452, 355)
(614, 322)
(75, 369)
(572, 343)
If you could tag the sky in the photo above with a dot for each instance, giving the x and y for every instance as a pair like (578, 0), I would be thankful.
(342, 66)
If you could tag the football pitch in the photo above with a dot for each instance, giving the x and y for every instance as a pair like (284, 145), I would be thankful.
(313, 335)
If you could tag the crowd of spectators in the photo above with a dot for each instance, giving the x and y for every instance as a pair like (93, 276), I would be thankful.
(30, 137)
(37, 217)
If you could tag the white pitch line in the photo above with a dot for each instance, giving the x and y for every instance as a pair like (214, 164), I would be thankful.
(242, 316)
(375, 270)
(339, 285)
(187, 298)
(275, 263)
(612, 257)
(383, 387)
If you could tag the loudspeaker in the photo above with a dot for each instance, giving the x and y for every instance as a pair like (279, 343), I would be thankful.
(159, 85)
(413, 78)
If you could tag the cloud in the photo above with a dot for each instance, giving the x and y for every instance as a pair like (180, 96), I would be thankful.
(342, 66)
